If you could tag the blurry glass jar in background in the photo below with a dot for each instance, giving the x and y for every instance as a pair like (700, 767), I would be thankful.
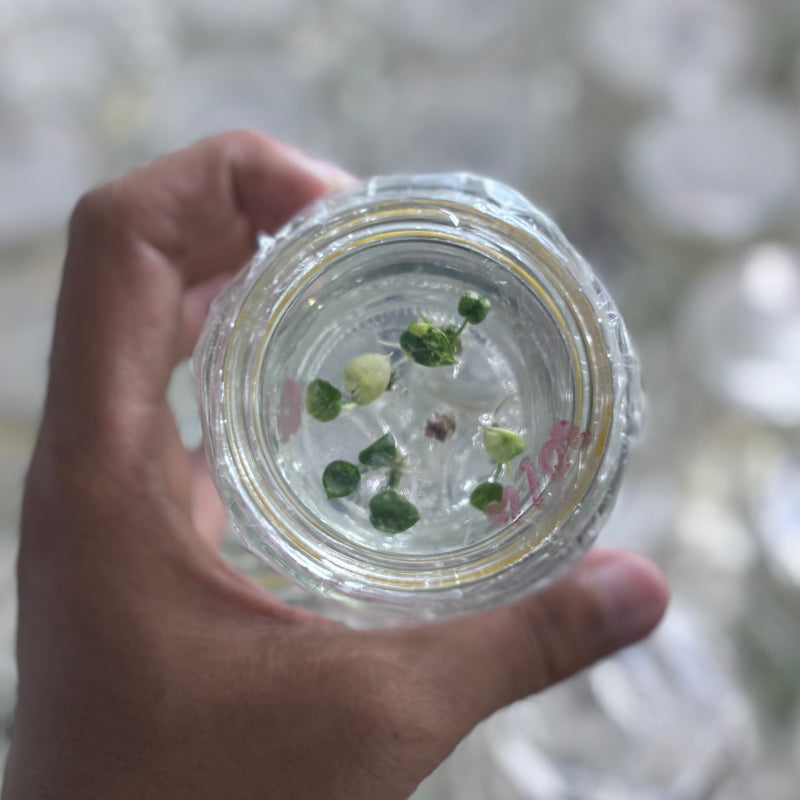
(697, 188)
(683, 55)
(740, 327)
(74, 83)
(740, 331)
(718, 178)
(659, 721)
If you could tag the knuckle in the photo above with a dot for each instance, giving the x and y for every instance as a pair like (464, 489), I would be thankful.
(101, 217)
(243, 141)
(92, 210)
(111, 218)
(243, 137)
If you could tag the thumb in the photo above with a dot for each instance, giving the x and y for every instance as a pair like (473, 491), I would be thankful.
(610, 600)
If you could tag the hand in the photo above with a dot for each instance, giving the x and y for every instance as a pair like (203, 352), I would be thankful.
(148, 667)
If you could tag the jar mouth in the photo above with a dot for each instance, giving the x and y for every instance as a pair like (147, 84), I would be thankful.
(552, 344)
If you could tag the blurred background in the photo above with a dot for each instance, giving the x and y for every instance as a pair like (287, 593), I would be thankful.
(663, 137)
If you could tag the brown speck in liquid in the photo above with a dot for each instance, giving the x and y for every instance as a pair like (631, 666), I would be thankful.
(440, 427)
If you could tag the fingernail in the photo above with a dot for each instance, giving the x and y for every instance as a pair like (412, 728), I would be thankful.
(334, 175)
(632, 594)
(328, 173)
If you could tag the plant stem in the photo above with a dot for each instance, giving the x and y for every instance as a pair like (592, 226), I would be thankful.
(498, 471)
(459, 330)
(396, 473)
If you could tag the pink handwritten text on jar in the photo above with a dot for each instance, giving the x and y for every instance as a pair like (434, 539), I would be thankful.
(554, 463)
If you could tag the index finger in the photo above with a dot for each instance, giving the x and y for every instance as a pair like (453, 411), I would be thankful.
(137, 242)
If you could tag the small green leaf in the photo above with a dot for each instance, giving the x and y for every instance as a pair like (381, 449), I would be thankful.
(485, 493)
(390, 512)
(474, 307)
(502, 445)
(427, 345)
(323, 401)
(367, 376)
(340, 479)
(381, 453)
(419, 329)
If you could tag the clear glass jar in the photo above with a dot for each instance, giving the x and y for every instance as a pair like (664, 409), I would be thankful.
(551, 363)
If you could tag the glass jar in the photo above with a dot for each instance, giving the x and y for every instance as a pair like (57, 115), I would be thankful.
(540, 398)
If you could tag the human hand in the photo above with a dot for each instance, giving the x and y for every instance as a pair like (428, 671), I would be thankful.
(148, 667)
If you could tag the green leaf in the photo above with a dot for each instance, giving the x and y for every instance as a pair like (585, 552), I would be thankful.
(367, 376)
(452, 333)
(502, 445)
(427, 345)
(474, 307)
(390, 512)
(381, 453)
(420, 328)
(323, 401)
(485, 493)
(340, 479)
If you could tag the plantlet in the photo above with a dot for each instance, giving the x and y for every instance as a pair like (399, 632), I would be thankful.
(323, 400)
(340, 479)
(485, 493)
(389, 511)
(502, 445)
(381, 453)
(427, 345)
(473, 307)
(366, 377)
(431, 346)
